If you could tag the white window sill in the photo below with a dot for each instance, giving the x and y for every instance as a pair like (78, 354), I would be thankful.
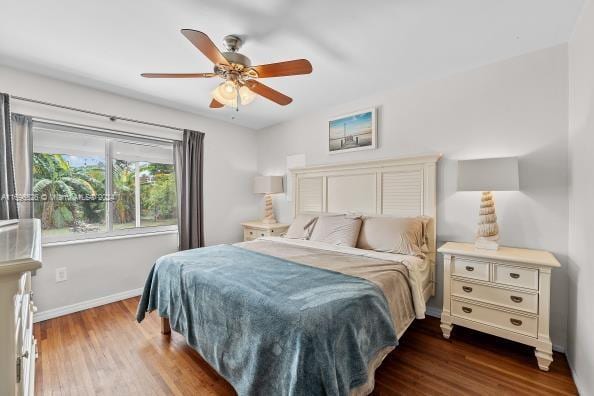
(107, 238)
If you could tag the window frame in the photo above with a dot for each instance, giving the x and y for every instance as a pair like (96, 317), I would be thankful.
(110, 136)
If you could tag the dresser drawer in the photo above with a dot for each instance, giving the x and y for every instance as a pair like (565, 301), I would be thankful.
(471, 268)
(494, 317)
(495, 295)
(516, 276)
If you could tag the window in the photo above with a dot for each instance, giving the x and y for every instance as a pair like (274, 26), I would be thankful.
(88, 183)
(143, 181)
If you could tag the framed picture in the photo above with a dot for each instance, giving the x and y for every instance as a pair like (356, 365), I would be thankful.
(353, 132)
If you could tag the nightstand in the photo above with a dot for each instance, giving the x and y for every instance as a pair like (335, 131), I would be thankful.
(257, 229)
(504, 292)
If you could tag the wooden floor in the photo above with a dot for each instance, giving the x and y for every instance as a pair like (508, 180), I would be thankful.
(103, 351)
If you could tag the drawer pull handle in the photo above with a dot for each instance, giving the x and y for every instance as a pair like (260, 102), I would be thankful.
(469, 268)
(516, 322)
(261, 234)
(251, 233)
(467, 289)
(466, 309)
(514, 275)
(516, 299)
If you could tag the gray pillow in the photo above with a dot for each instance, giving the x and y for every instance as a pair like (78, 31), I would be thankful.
(402, 235)
(340, 230)
(301, 227)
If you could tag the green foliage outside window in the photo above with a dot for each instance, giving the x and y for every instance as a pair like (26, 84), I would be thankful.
(60, 185)
(72, 195)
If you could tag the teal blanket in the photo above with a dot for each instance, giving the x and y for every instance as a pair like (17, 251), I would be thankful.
(271, 326)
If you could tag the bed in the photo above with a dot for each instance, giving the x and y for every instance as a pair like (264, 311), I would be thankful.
(298, 317)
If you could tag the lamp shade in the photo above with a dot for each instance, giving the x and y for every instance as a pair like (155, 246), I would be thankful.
(491, 174)
(268, 184)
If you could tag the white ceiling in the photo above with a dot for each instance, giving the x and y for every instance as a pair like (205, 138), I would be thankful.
(355, 47)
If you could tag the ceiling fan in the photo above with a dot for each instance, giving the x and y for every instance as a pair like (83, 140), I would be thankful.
(241, 83)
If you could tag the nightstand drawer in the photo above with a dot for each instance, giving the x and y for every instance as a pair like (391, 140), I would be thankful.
(516, 276)
(493, 317)
(251, 233)
(495, 295)
(471, 268)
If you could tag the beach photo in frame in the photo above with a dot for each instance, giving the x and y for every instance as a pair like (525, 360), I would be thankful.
(353, 132)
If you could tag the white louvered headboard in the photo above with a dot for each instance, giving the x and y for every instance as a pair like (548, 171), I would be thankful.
(403, 187)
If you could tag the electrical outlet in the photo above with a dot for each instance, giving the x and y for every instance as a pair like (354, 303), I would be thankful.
(61, 274)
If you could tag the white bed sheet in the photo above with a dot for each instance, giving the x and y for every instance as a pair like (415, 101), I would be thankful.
(419, 269)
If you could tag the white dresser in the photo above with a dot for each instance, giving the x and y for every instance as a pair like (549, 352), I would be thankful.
(504, 292)
(20, 255)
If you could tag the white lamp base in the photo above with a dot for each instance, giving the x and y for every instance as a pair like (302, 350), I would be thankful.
(487, 243)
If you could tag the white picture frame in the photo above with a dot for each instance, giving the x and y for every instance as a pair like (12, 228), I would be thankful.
(359, 131)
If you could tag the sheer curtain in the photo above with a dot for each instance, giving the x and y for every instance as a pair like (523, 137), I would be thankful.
(189, 159)
(22, 148)
(8, 203)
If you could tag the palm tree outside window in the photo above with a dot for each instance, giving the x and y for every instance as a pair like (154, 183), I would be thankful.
(87, 184)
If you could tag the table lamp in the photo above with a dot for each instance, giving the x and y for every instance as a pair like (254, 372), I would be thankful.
(487, 175)
(268, 185)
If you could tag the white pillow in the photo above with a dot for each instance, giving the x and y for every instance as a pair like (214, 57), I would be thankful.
(337, 230)
(402, 235)
(301, 227)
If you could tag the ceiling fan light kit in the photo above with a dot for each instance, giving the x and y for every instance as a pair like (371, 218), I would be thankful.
(240, 85)
(227, 93)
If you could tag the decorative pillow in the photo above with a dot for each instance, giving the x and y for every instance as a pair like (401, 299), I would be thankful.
(340, 230)
(402, 235)
(301, 227)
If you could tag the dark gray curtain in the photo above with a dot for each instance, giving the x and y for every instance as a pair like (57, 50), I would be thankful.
(8, 203)
(189, 159)
(22, 148)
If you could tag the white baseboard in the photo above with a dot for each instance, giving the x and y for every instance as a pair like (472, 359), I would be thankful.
(81, 306)
(436, 313)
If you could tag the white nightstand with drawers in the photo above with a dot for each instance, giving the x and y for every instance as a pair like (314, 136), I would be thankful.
(504, 292)
(256, 229)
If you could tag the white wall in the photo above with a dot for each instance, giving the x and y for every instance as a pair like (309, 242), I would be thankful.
(516, 107)
(581, 190)
(99, 269)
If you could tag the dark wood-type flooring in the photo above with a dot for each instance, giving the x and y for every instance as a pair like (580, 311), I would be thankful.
(103, 351)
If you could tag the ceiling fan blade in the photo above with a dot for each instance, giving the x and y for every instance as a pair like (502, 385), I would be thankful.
(178, 75)
(205, 45)
(268, 92)
(215, 105)
(288, 68)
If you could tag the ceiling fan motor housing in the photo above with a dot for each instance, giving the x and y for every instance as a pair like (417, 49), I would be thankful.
(237, 58)
(233, 44)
